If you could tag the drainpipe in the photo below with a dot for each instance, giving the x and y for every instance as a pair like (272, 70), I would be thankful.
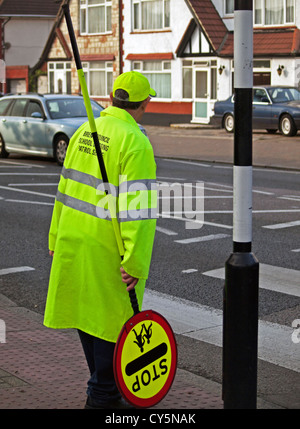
(3, 24)
(120, 37)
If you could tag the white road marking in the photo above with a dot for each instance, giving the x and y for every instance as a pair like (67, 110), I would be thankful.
(21, 164)
(262, 192)
(296, 250)
(30, 202)
(218, 225)
(203, 238)
(205, 323)
(230, 211)
(15, 166)
(206, 188)
(27, 192)
(13, 270)
(166, 231)
(290, 197)
(191, 270)
(277, 279)
(187, 162)
(220, 185)
(33, 184)
(283, 225)
(29, 174)
(169, 178)
(193, 197)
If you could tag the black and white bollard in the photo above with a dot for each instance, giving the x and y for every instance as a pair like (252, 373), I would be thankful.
(240, 312)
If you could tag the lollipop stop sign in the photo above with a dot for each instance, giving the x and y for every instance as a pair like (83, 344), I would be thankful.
(145, 359)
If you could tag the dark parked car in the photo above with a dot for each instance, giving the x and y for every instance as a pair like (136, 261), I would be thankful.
(274, 108)
(41, 124)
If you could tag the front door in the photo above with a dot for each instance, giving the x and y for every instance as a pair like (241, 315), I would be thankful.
(201, 96)
(60, 82)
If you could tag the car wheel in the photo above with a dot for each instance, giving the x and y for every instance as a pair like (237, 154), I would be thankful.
(3, 153)
(287, 126)
(229, 123)
(60, 148)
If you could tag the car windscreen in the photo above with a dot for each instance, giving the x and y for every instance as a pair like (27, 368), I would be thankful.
(70, 108)
(283, 95)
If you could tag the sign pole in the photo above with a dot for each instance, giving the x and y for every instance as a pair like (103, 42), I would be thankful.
(240, 315)
(91, 119)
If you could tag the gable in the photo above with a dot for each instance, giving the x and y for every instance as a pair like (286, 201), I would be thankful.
(208, 18)
(194, 42)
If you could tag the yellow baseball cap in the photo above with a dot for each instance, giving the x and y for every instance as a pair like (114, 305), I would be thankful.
(136, 84)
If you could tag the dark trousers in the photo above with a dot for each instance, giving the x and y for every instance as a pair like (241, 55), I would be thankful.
(99, 353)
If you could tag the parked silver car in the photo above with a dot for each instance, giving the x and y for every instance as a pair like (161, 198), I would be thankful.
(41, 124)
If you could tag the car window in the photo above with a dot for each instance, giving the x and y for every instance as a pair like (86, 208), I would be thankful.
(4, 105)
(70, 108)
(33, 107)
(18, 107)
(283, 95)
(259, 95)
(295, 93)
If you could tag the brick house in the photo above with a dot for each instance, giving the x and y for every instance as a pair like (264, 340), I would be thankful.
(97, 30)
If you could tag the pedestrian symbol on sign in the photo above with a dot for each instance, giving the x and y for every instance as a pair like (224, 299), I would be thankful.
(140, 338)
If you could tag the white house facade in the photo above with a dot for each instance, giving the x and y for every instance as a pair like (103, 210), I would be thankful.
(152, 31)
(185, 47)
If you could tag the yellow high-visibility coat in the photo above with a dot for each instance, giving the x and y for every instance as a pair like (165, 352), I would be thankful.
(85, 287)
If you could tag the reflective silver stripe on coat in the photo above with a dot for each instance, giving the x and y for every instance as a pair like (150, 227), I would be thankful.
(82, 206)
(80, 177)
(101, 213)
(94, 182)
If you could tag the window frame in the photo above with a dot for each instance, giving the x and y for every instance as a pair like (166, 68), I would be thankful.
(226, 7)
(52, 67)
(139, 28)
(85, 6)
(8, 107)
(164, 70)
(263, 15)
(87, 69)
(38, 103)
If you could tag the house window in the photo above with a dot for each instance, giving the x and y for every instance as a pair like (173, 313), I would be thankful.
(150, 14)
(187, 79)
(59, 78)
(213, 80)
(95, 16)
(229, 7)
(159, 75)
(274, 12)
(99, 77)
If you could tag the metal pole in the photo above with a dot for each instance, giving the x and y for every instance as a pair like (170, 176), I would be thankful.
(240, 315)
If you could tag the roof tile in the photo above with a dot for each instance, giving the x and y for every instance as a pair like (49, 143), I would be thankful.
(29, 7)
(211, 22)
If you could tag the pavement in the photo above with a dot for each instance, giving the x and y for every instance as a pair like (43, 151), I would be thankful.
(208, 144)
(41, 368)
